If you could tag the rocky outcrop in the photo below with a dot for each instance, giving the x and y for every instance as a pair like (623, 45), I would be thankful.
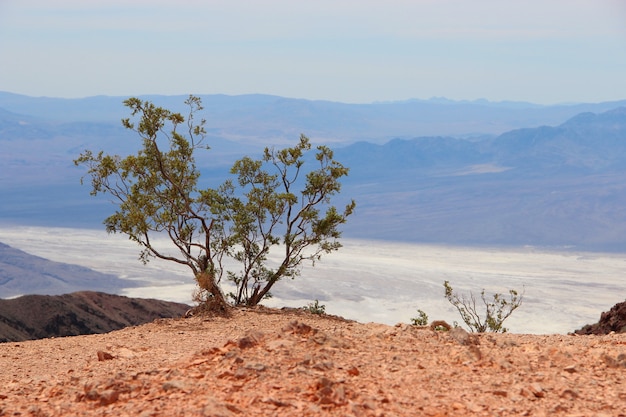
(613, 320)
(86, 312)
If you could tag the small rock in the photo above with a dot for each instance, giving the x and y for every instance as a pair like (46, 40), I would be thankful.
(571, 369)
(404, 327)
(353, 371)
(104, 356)
(324, 366)
(275, 402)
(174, 385)
(242, 373)
(457, 406)
(277, 344)
(125, 353)
(613, 362)
(325, 390)
(296, 327)
(462, 336)
(340, 395)
(252, 339)
(259, 367)
(213, 408)
(108, 397)
(198, 362)
(569, 394)
(474, 408)
(537, 390)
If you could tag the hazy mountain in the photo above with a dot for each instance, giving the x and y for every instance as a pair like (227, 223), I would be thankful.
(588, 141)
(22, 273)
(531, 175)
(555, 186)
(85, 312)
(258, 118)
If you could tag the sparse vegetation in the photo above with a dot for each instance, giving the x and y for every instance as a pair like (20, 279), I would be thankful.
(496, 310)
(274, 209)
(315, 308)
(421, 319)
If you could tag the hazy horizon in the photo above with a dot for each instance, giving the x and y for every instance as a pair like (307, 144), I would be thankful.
(433, 99)
(348, 51)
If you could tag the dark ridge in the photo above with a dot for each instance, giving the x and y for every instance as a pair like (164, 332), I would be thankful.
(613, 320)
(33, 317)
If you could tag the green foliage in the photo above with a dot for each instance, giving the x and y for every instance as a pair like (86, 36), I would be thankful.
(264, 210)
(421, 319)
(274, 210)
(315, 308)
(496, 310)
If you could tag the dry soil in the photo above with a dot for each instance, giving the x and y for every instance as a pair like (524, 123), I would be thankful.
(263, 362)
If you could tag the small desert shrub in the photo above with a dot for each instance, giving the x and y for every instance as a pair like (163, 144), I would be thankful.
(496, 310)
(421, 319)
(315, 308)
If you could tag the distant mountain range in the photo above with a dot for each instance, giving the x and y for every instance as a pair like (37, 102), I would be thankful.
(258, 118)
(434, 171)
(586, 143)
(562, 187)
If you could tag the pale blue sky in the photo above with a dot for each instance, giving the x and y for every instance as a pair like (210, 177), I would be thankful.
(543, 51)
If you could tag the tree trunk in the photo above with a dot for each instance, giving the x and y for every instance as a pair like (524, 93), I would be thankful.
(217, 301)
(257, 296)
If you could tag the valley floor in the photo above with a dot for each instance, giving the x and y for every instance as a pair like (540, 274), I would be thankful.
(563, 291)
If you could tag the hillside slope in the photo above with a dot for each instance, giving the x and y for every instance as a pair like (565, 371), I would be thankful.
(86, 312)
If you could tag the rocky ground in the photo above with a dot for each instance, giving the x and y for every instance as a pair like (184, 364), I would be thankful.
(293, 363)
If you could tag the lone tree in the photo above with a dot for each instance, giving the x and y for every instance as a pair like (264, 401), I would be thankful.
(274, 205)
